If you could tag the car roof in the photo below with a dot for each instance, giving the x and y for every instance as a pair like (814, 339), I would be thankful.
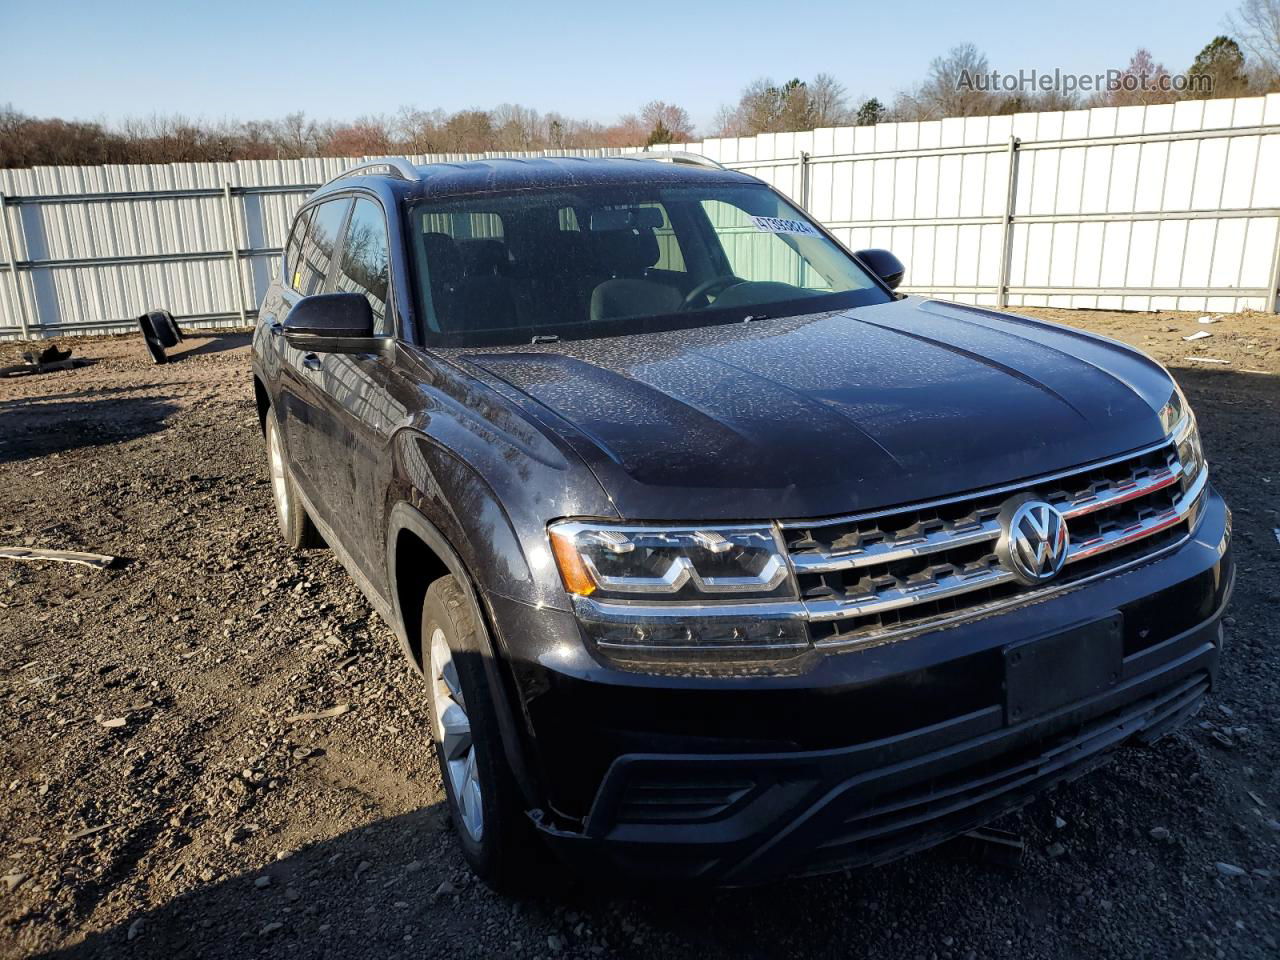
(526, 173)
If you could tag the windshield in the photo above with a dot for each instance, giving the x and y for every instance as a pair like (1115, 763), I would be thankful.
(540, 265)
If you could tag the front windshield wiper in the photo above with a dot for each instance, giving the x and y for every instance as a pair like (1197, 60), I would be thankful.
(545, 338)
(755, 316)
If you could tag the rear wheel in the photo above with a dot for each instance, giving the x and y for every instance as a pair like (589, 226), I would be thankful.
(295, 526)
(496, 836)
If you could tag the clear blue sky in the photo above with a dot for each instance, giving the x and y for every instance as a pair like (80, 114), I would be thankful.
(338, 60)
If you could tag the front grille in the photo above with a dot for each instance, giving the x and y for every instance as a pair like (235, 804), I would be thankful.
(878, 574)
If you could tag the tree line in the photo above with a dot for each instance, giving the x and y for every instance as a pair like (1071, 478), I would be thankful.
(1246, 63)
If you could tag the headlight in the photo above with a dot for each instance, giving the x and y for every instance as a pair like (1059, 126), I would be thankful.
(1180, 425)
(1171, 413)
(688, 564)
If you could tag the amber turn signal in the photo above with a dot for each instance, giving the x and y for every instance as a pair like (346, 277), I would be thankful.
(572, 570)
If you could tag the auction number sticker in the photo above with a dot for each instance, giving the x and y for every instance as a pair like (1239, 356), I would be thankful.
(781, 225)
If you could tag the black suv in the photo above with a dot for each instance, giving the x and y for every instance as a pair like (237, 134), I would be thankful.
(723, 561)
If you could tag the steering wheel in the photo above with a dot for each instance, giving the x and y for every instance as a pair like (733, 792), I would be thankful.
(715, 284)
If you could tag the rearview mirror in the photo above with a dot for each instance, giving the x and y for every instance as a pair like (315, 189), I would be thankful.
(884, 265)
(332, 323)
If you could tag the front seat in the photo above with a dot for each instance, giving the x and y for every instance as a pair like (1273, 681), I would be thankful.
(627, 254)
(444, 272)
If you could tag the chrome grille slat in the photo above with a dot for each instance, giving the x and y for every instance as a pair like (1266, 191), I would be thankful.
(1140, 488)
(1138, 531)
(893, 549)
(950, 586)
(890, 550)
(894, 599)
(1120, 499)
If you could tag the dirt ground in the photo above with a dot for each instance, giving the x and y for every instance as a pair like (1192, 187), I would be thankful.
(160, 797)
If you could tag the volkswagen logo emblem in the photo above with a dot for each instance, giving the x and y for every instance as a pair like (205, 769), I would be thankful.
(1033, 540)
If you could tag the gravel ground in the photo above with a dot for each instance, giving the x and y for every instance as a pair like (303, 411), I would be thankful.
(162, 792)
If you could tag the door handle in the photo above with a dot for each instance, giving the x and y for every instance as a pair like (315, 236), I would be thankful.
(276, 328)
(311, 361)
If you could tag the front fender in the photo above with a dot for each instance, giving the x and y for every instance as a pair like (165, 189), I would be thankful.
(406, 517)
(492, 502)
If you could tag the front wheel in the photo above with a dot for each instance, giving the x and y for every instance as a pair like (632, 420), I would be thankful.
(496, 836)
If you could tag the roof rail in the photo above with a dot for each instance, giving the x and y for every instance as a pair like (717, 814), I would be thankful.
(675, 156)
(392, 166)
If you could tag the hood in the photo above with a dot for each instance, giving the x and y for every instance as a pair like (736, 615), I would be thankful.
(839, 412)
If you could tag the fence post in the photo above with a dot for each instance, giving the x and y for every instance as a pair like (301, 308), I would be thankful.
(1006, 228)
(11, 258)
(804, 181)
(234, 243)
(1272, 295)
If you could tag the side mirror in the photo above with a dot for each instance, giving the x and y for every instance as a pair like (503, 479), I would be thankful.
(884, 265)
(332, 323)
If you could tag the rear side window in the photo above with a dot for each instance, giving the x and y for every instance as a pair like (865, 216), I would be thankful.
(364, 264)
(293, 251)
(319, 245)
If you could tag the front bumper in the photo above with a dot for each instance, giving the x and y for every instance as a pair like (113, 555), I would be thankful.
(868, 755)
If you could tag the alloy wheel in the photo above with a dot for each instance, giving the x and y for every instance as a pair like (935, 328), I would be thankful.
(279, 484)
(453, 734)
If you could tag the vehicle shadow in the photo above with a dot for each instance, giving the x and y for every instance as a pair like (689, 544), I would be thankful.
(376, 892)
(74, 421)
(207, 345)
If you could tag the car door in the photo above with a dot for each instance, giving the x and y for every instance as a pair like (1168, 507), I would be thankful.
(300, 371)
(361, 399)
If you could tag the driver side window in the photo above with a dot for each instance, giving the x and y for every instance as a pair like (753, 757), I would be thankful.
(364, 265)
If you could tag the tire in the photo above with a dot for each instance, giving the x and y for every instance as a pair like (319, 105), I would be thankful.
(295, 526)
(497, 838)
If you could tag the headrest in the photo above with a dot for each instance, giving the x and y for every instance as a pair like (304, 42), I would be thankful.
(444, 262)
(624, 252)
(484, 257)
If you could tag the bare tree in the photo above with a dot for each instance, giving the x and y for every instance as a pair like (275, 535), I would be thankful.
(1257, 24)
(727, 122)
(296, 136)
(673, 120)
(954, 86)
(629, 131)
(418, 131)
(765, 107)
(366, 137)
(468, 131)
(828, 101)
(1143, 81)
(516, 127)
